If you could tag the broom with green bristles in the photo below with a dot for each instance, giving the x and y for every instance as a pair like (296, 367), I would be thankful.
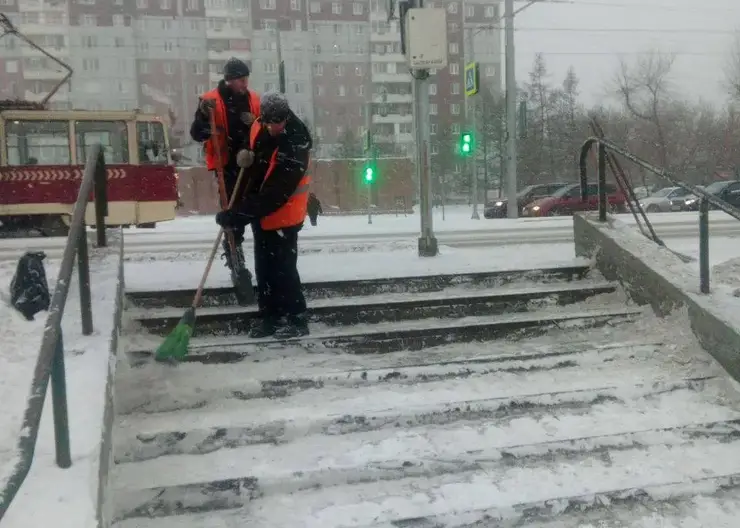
(175, 346)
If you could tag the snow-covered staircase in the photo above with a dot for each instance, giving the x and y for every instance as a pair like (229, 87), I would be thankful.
(532, 398)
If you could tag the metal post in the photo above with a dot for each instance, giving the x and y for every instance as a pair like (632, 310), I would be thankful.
(369, 147)
(513, 212)
(281, 64)
(83, 274)
(59, 405)
(602, 182)
(704, 245)
(427, 241)
(100, 186)
(470, 111)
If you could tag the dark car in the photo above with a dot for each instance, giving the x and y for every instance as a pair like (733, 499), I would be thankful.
(729, 191)
(499, 209)
(567, 201)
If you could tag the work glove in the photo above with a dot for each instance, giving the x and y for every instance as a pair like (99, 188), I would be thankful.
(230, 219)
(245, 158)
(247, 118)
(206, 105)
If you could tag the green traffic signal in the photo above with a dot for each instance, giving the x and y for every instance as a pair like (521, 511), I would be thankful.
(466, 143)
(369, 174)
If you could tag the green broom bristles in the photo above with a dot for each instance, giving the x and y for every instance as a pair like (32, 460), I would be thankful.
(175, 346)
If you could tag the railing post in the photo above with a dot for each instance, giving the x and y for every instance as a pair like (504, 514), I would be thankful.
(101, 197)
(83, 274)
(602, 182)
(59, 405)
(704, 245)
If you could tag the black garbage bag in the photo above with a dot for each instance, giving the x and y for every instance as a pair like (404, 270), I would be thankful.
(29, 290)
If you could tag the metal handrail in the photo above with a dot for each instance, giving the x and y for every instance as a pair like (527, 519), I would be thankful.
(604, 146)
(50, 362)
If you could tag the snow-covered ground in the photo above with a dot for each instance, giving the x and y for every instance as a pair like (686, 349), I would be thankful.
(51, 496)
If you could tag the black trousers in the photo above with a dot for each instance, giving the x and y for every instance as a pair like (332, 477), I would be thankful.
(231, 174)
(279, 290)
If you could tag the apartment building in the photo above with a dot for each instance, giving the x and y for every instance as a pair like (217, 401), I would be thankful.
(342, 59)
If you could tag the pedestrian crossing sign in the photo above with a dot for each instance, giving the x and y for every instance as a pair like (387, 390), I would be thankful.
(471, 79)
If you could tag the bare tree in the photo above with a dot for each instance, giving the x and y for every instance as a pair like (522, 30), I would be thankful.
(644, 88)
(732, 69)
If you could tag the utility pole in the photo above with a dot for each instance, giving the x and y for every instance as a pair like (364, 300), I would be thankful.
(369, 148)
(281, 64)
(512, 209)
(420, 44)
(470, 114)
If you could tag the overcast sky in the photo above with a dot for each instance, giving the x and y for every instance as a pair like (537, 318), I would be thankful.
(590, 35)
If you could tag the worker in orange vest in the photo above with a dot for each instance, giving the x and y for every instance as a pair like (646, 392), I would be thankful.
(235, 108)
(275, 204)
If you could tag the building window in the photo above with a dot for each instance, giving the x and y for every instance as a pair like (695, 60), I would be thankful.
(270, 67)
(359, 71)
(455, 88)
(89, 41)
(144, 67)
(356, 8)
(453, 27)
(88, 20)
(470, 11)
(295, 5)
(297, 88)
(165, 5)
(336, 8)
(119, 20)
(454, 48)
(119, 42)
(454, 68)
(269, 87)
(267, 4)
(433, 109)
(168, 46)
(90, 64)
(360, 90)
(455, 109)
(198, 68)
(452, 8)
(339, 70)
(490, 11)
(455, 129)
(193, 5)
(490, 71)
(319, 90)
(341, 90)
(318, 69)
(433, 128)
(432, 89)
(142, 4)
(169, 68)
(315, 7)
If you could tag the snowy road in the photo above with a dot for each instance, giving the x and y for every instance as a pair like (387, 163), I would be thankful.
(195, 235)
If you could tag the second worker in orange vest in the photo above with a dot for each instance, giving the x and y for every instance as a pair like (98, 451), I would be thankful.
(275, 204)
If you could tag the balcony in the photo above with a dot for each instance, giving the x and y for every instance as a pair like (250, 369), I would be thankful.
(387, 57)
(224, 55)
(43, 74)
(393, 98)
(229, 32)
(385, 37)
(393, 119)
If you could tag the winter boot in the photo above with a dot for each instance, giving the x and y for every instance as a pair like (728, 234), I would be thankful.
(241, 277)
(297, 327)
(266, 327)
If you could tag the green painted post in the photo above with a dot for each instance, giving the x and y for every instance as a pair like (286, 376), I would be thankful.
(59, 406)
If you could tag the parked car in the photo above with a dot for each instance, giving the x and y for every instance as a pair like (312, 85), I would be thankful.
(665, 200)
(727, 190)
(567, 201)
(499, 208)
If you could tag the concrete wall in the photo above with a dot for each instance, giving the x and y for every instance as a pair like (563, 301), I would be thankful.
(653, 275)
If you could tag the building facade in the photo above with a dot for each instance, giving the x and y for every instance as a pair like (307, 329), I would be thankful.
(342, 60)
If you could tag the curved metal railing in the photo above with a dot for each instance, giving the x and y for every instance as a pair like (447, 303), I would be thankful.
(606, 147)
(50, 362)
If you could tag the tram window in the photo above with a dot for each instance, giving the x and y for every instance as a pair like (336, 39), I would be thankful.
(37, 143)
(152, 144)
(112, 135)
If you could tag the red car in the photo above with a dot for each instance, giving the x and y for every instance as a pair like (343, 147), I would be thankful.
(567, 201)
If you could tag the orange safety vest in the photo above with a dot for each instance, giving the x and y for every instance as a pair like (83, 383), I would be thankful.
(218, 142)
(293, 212)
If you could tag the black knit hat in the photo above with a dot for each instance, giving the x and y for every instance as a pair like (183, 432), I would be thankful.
(274, 107)
(235, 69)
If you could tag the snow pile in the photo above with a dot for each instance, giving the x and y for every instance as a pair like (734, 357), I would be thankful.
(727, 272)
(20, 340)
(69, 496)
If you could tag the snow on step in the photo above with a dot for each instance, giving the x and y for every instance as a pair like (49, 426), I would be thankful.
(383, 299)
(163, 388)
(376, 400)
(502, 488)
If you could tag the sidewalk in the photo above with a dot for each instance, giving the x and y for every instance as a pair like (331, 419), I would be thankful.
(50, 496)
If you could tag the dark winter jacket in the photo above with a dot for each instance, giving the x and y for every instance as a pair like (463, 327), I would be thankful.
(314, 205)
(236, 105)
(293, 146)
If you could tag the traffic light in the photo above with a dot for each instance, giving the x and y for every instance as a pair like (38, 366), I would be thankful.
(466, 144)
(369, 173)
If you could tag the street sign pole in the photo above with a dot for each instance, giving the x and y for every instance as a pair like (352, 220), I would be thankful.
(471, 89)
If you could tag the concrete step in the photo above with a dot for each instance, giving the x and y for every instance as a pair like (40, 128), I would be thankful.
(598, 440)
(333, 289)
(449, 303)
(404, 335)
